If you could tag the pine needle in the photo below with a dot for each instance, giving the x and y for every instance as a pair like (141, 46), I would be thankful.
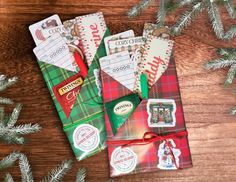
(5, 101)
(231, 33)
(26, 173)
(187, 18)
(8, 178)
(161, 15)
(137, 9)
(9, 160)
(12, 138)
(233, 111)
(230, 75)
(226, 51)
(214, 15)
(81, 174)
(14, 116)
(219, 63)
(230, 9)
(7, 82)
(185, 2)
(2, 116)
(58, 173)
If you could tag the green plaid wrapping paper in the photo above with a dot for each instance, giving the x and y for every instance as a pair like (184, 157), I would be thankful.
(88, 107)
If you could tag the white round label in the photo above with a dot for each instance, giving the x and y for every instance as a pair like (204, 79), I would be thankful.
(123, 160)
(123, 108)
(86, 137)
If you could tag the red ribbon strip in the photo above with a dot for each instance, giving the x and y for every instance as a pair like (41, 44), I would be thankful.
(150, 137)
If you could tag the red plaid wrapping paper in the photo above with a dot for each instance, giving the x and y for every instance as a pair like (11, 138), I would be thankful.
(136, 125)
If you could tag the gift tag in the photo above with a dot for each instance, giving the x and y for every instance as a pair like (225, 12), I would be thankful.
(120, 67)
(37, 28)
(55, 51)
(122, 35)
(91, 28)
(154, 60)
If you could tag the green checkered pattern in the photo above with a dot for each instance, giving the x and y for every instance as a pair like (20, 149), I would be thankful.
(88, 107)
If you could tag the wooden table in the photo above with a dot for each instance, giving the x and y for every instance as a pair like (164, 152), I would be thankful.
(212, 132)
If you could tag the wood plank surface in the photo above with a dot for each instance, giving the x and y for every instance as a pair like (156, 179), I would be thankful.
(212, 132)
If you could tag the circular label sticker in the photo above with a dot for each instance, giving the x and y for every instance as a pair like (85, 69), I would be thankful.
(123, 108)
(123, 160)
(86, 137)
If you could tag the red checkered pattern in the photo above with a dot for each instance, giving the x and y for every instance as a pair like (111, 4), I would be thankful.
(136, 125)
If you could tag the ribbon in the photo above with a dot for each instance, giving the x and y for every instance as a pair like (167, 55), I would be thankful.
(150, 137)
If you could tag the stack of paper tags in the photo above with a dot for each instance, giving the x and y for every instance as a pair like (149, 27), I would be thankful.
(68, 55)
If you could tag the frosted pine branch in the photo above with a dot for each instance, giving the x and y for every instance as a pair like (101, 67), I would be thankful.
(230, 8)
(187, 18)
(26, 173)
(219, 63)
(233, 111)
(182, 3)
(231, 33)
(14, 116)
(9, 160)
(161, 15)
(4, 83)
(58, 173)
(214, 15)
(5, 101)
(8, 178)
(226, 51)
(81, 174)
(230, 75)
(137, 9)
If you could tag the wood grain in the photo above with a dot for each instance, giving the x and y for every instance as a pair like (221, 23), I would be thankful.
(212, 132)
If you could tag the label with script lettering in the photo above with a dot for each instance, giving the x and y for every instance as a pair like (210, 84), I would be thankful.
(92, 28)
(55, 51)
(66, 92)
(86, 137)
(123, 160)
(154, 60)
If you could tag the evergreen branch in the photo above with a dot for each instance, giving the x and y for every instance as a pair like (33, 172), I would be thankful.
(233, 111)
(161, 15)
(231, 33)
(2, 115)
(5, 101)
(14, 116)
(226, 51)
(187, 18)
(230, 75)
(219, 63)
(2, 79)
(230, 9)
(81, 174)
(58, 173)
(12, 139)
(137, 9)
(9, 160)
(215, 19)
(8, 178)
(7, 82)
(24, 129)
(25, 169)
(182, 3)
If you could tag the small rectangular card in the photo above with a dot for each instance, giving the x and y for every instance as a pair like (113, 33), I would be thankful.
(154, 60)
(130, 44)
(50, 31)
(155, 30)
(91, 28)
(122, 35)
(37, 28)
(55, 51)
(120, 67)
